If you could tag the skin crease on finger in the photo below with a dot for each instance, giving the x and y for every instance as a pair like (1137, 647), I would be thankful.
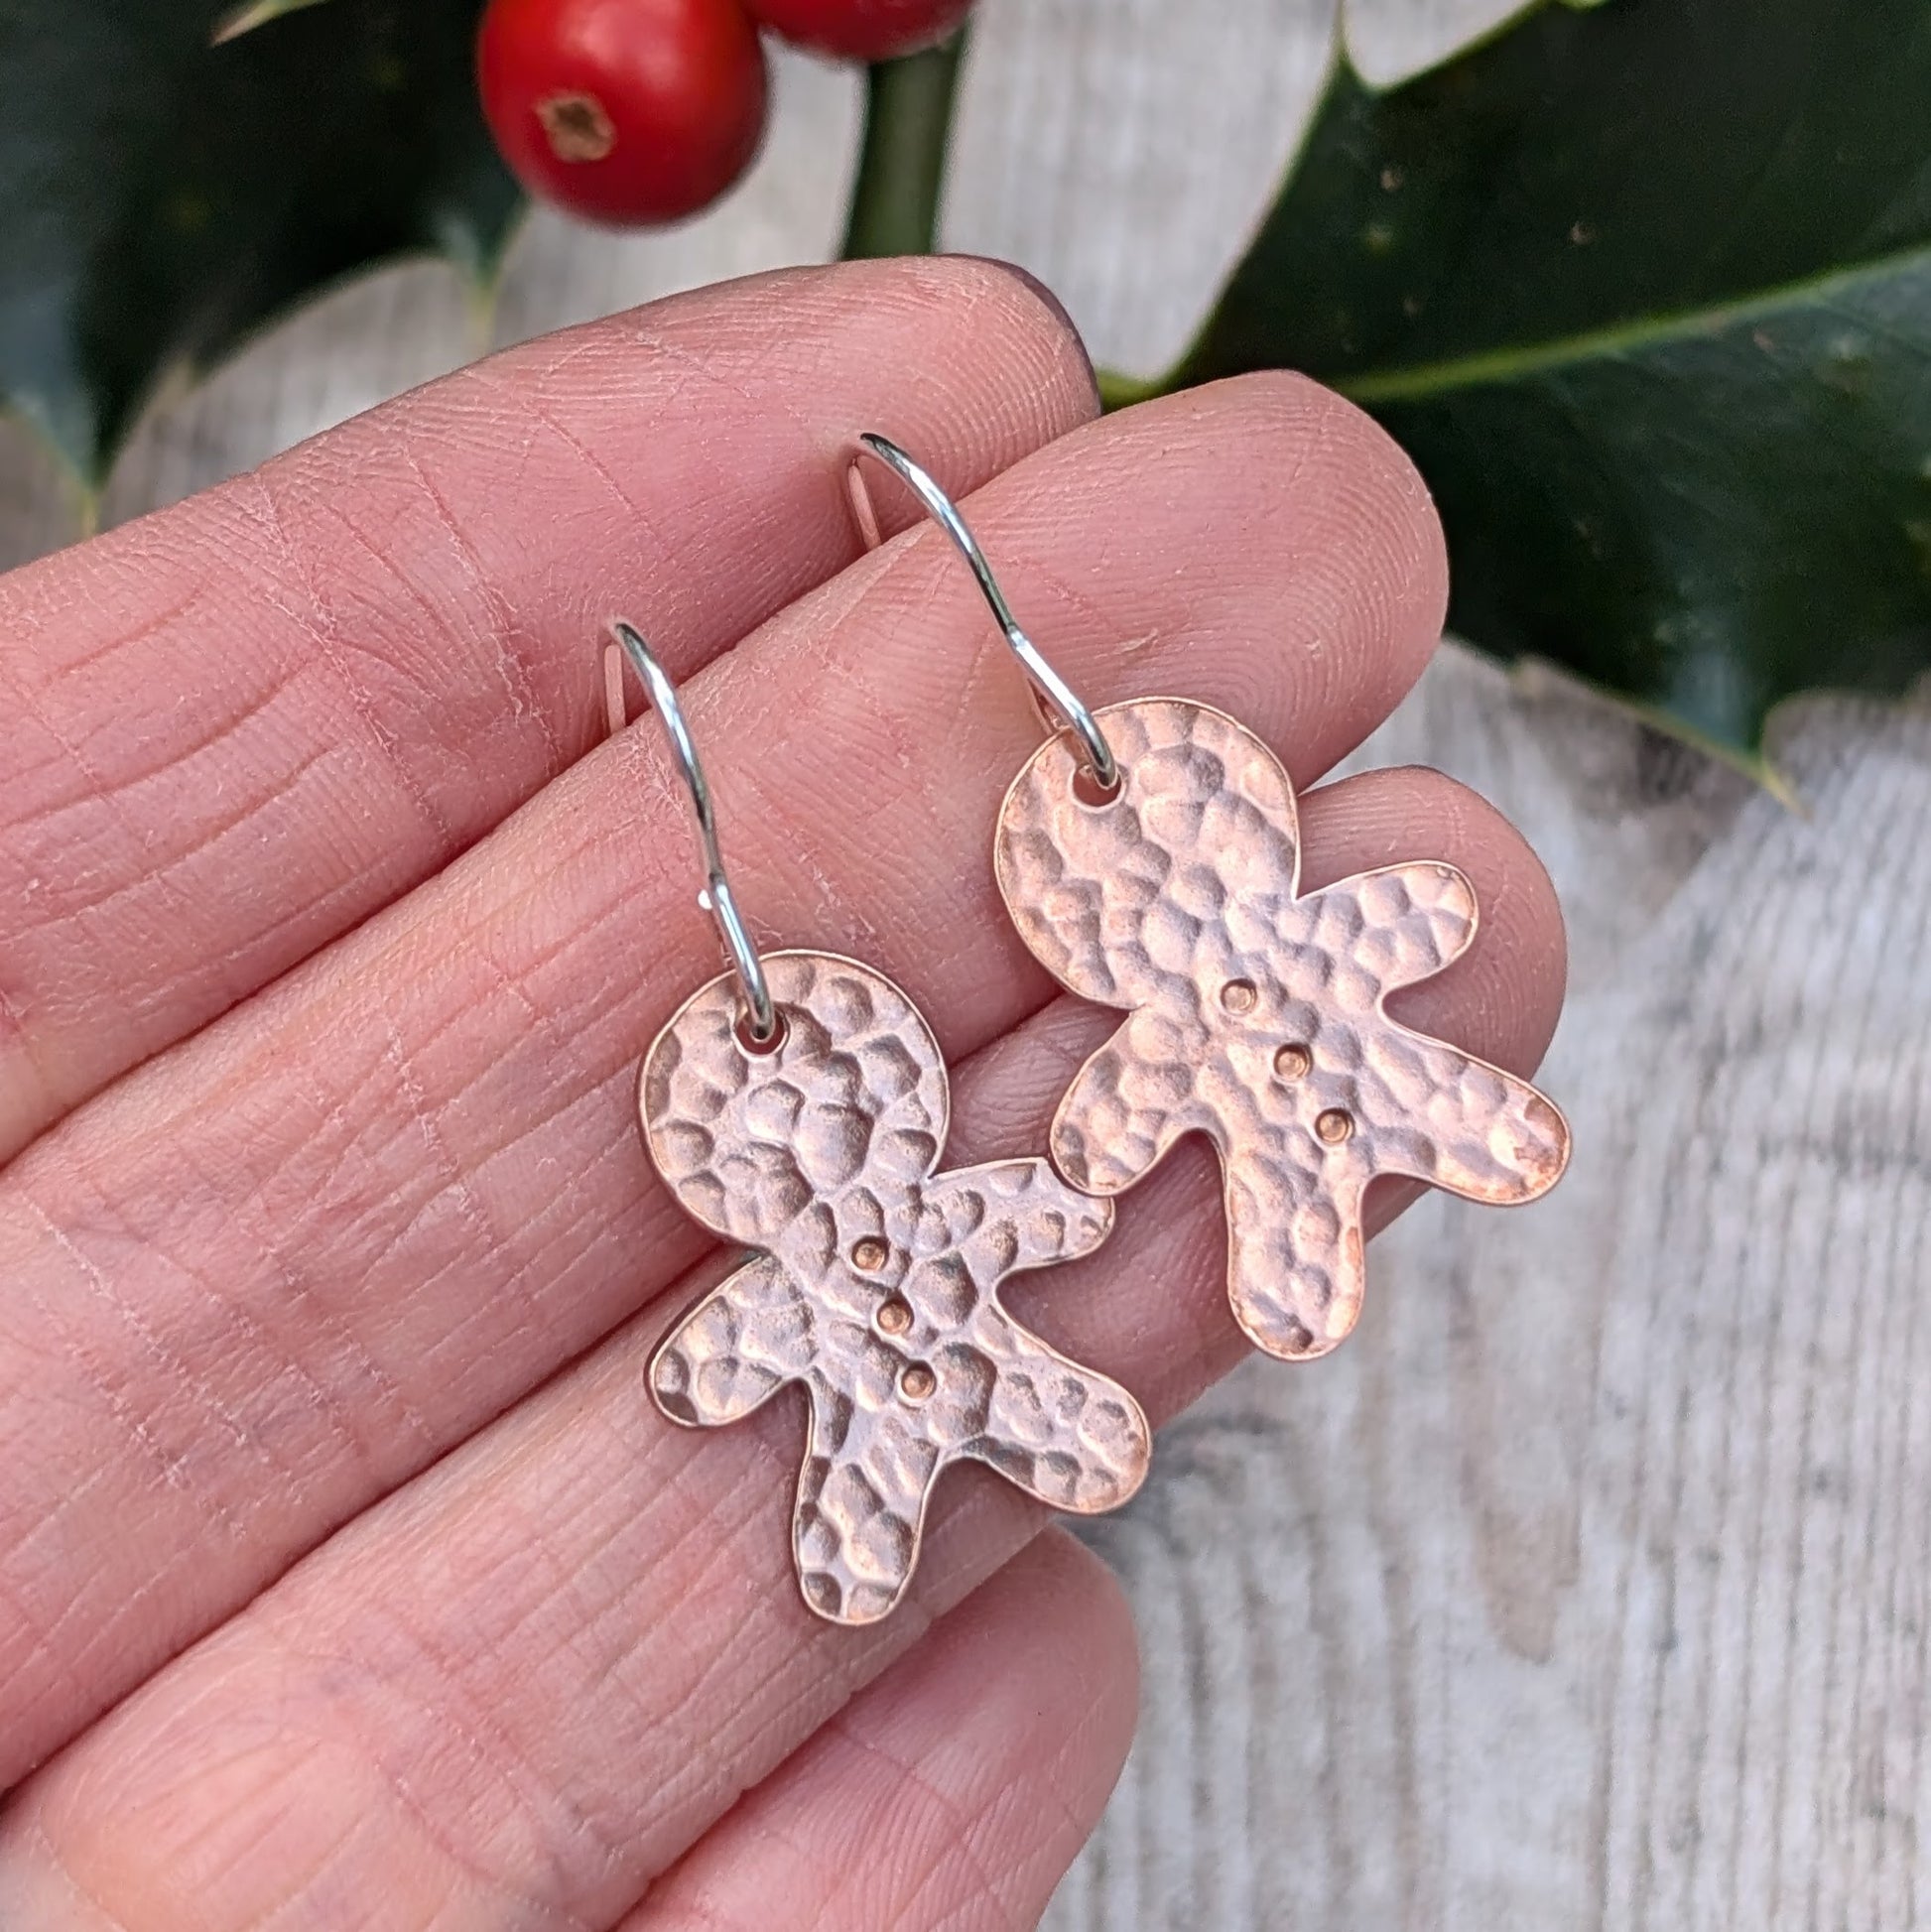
(286, 1265)
(242, 725)
(954, 1791)
(413, 1697)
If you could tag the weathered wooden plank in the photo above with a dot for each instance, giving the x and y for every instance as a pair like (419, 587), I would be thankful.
(1587, 1585)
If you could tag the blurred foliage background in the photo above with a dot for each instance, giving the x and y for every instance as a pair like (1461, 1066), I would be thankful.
(1643, 287)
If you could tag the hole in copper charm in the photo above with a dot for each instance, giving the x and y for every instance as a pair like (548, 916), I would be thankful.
(917, 1382)
(749, 1041)
(1088, 788)
(1335, 1125)
(869, 1253)
(895, 1318)
(1294, 1063)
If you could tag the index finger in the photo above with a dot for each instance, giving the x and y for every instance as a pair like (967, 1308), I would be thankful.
(240, 726)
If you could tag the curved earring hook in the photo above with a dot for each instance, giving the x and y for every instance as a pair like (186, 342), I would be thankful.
(715, 898)
(1060, 705)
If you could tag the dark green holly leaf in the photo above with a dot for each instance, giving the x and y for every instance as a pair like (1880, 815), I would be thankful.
(165, 196)
(1646, 291)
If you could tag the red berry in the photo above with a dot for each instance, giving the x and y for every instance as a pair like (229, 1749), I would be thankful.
(623, 111)
(862, 30)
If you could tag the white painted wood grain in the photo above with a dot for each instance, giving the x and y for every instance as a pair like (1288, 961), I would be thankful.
(1586, 1587)
(1122, 151)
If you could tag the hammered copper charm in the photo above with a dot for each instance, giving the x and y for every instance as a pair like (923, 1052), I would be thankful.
(874, 1281)
(1255, 1010)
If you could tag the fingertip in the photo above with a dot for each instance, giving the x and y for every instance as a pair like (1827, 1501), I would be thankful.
(1305, 576)
(1059, 317)
(989, 316)
(955, 1789)
(1085, 1643)
(1352, 490)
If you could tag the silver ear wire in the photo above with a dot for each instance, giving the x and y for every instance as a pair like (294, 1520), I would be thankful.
(1058, 703)
(760, 1016)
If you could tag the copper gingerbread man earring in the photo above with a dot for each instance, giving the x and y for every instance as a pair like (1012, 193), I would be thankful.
(797, 1106)
(1150, 855)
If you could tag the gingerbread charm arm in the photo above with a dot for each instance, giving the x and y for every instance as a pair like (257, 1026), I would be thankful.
(1128, 1104)
(736, 1349)
(1473, 1129)
(1396, 926)
(1008, 1216)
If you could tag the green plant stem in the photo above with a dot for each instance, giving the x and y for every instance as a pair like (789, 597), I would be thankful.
(902, 164)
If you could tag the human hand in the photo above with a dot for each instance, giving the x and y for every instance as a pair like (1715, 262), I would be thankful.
(348, 1577)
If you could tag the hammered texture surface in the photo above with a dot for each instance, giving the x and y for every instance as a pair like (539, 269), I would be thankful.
(875, 1278)
(1255, 1011)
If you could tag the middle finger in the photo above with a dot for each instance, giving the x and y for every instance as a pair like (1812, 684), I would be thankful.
(281, 1269)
